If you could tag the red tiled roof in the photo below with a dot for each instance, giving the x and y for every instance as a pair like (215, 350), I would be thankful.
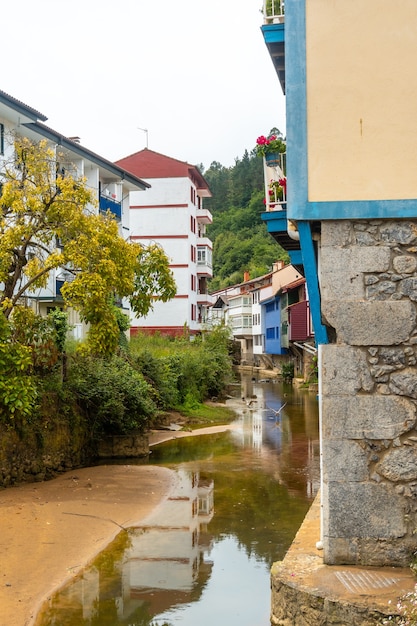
(149, 164)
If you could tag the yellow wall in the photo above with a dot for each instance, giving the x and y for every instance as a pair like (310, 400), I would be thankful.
(361, 99)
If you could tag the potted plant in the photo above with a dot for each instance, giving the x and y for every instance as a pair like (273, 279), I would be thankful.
(271, 147)
(277, 190)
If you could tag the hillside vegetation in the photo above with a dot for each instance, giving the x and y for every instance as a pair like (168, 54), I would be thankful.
(240, 238)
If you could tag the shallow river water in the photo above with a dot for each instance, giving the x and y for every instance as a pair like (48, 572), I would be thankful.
(203, 558)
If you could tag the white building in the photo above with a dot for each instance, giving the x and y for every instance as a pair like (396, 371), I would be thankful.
(171, 214)
(243, 308)
(109, 182)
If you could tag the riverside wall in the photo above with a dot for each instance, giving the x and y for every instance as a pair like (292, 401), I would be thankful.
(368, 280)
(56, 443)
(365, 520)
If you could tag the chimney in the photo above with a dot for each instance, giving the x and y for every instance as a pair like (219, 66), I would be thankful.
(278, 265)
(246, 276)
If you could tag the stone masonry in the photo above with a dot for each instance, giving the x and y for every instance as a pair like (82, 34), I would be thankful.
(368, 282)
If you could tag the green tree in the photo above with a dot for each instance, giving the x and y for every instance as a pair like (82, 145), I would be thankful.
(40, 205)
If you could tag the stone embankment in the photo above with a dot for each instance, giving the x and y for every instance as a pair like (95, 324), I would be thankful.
(305, 591)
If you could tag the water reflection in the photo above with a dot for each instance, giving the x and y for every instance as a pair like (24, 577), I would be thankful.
(205, 553)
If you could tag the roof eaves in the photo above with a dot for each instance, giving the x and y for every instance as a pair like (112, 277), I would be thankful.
(67, 143)
(21, 107)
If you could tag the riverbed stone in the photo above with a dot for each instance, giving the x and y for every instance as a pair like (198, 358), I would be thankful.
(355, 322)
(372, 417)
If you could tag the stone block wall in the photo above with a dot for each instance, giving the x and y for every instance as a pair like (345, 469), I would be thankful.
(368, 282)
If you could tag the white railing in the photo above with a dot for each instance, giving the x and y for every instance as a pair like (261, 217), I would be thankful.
(276, 184)
(273, 11)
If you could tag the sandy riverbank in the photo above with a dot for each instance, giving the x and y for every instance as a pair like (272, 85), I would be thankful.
(50, 531)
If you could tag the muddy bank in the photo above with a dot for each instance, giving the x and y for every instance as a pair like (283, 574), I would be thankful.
(51, 530)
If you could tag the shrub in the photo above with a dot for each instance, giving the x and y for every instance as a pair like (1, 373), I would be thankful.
(114, 396)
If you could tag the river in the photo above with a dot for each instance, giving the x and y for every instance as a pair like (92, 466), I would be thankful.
(203, 557)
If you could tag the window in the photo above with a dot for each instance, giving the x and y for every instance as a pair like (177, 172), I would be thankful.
(1, 138)
(270, 307)
(255, 297)
(270, 333)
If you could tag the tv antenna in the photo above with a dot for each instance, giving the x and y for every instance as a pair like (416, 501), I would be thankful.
(144, 130)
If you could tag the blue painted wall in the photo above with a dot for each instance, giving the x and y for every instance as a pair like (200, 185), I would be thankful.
(271, 314)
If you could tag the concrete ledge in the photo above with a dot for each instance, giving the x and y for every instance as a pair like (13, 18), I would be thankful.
(305, 591)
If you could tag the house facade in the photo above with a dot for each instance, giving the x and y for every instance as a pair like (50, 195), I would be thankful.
(171, 214)
(352, 211)
(109, 183)
(258, 314)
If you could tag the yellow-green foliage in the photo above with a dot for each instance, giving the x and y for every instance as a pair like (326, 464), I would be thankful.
(40, 205)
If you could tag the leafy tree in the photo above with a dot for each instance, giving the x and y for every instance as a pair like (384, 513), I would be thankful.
(18, 392)
(41, 204)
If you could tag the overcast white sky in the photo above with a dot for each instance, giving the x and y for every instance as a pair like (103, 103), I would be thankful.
(195, 73)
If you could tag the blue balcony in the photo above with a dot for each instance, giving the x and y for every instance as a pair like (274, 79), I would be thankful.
(273, 31)
(109, 204)
(277, 226)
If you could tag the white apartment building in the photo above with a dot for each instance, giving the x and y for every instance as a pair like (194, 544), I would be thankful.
(109, 182)
(171, 214)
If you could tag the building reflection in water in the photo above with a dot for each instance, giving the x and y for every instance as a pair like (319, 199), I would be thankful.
(159, 564)
(165, 562)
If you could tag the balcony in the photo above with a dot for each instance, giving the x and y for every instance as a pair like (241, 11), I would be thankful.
(204, 258)
(273, 31)
(204, 216)
(204, 299)
(241, 325)
(107, 203)
(273, 11)
(275, 183)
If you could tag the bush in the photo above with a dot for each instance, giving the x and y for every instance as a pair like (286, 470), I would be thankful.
(183, 371)
(114, 396)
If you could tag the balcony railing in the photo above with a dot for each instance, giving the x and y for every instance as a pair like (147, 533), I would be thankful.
(109, 204)
(204, 216)
(276, 184)
(273, 11)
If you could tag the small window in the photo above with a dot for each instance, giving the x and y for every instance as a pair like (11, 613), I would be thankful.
(1, 138)
(270, 333)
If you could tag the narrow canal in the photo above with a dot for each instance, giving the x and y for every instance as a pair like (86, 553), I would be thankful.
(203, 557)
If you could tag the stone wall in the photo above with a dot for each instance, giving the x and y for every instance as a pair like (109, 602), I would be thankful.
(368, 280)
(56, 443)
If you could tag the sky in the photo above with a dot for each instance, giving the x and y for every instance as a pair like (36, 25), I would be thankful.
(195, 74)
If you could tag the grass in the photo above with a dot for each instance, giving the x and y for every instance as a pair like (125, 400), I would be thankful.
(202, 415)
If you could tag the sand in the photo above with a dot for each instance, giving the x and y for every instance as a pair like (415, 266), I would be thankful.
(49, 531)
